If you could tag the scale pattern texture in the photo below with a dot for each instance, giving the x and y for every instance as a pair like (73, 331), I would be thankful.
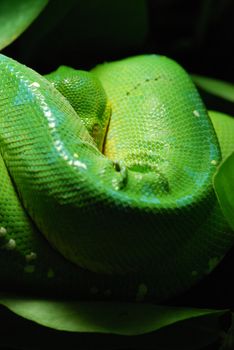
(110, 200)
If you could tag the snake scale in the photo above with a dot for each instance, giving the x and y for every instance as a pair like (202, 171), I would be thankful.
(106, 180)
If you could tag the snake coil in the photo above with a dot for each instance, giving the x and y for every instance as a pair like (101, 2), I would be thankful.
(114, 167)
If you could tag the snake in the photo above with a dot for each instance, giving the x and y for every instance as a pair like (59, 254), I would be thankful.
(106, 180)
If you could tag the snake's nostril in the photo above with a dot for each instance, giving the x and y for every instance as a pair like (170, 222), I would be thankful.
(120, 181)
(117, 166)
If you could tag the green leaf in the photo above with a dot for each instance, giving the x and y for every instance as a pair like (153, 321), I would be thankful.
(224, 187)
(215, 87)
(112, 325)
(224, 127)
(102, 317)
(16, 16)
(189, 334)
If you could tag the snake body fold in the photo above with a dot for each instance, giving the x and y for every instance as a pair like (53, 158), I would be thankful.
(114, 167)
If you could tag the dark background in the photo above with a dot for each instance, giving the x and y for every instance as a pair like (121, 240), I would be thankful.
(197, 33)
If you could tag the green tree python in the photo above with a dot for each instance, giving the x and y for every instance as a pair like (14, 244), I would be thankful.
(106, 180)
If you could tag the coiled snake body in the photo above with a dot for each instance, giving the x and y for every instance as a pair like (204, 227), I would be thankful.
(115, 168)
